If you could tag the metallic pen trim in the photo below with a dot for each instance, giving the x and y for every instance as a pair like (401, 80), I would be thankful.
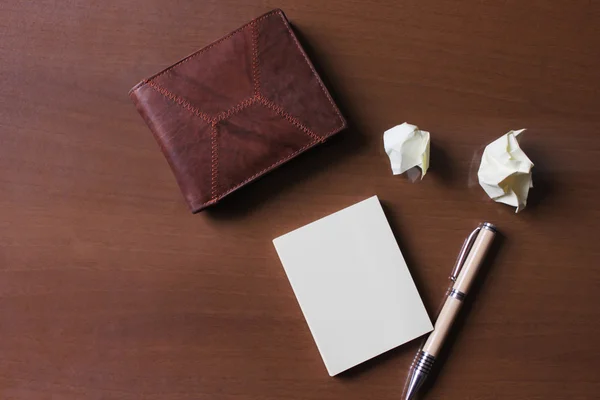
(457, 294)
(491, 227)
(466, 248)
(464, 252)
(420, 369)
(423, 362)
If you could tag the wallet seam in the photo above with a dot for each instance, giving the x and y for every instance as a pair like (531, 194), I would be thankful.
(222, 116)
(214, 158)
(288, 117)
(255, 67)
(180, 101)
(263, 171)
(281, 161)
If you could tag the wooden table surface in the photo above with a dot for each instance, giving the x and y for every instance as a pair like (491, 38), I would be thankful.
(111, 289)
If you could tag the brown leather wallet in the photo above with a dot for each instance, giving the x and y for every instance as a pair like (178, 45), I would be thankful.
(236, 109)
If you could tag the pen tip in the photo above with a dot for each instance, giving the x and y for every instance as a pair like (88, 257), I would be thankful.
(415, 382)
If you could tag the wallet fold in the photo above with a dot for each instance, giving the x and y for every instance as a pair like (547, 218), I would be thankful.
(236, 109)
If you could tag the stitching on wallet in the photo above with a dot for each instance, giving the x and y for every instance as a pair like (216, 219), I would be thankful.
(214, 158)
(255, 70)
(182, 102)
(279, 110)
(236, 109)
(195, 111)
(214, 150)
(202, 50)
(225, 193)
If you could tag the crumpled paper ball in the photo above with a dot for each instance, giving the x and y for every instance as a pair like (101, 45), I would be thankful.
(407, 147)
(505, 171)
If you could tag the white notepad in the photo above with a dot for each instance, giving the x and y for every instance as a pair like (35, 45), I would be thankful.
(353, 285)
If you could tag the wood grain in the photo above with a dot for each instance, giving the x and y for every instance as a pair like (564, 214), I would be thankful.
(111, 289)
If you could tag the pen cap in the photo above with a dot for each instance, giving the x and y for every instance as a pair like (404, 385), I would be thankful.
(475, 258)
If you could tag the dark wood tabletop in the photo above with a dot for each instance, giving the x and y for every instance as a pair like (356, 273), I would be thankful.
(111, 289)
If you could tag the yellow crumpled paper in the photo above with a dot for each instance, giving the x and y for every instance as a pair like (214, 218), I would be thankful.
(407, 147)
(505, 171)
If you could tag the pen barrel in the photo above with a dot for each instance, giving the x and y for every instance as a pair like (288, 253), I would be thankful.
(474, 260)
(442, 326)
(460, 288)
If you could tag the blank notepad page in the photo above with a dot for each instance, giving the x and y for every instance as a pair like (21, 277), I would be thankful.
(353, 285)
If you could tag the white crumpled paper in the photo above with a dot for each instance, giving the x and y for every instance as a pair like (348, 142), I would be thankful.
(407, 147)
(505, 171)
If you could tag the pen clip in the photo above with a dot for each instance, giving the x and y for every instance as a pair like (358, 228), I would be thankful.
(464, 251)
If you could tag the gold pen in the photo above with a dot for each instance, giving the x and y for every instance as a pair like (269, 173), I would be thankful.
(469, 260)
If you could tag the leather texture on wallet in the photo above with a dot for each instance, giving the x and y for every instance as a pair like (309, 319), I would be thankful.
(237, 109)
